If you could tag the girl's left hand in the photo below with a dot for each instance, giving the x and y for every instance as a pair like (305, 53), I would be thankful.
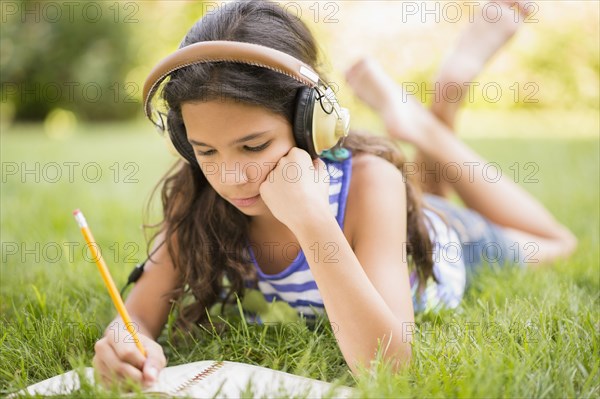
(297, 188)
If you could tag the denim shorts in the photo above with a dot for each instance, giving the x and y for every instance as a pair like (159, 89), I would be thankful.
(483, 243)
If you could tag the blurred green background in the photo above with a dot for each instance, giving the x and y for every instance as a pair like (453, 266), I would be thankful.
(65, 63)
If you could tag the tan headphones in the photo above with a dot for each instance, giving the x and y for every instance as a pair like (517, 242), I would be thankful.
(320, 124)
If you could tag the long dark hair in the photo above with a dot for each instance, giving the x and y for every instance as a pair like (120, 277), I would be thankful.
(206, 235)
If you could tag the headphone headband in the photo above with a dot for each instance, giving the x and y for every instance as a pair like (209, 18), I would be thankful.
(229, 51)
(319, 123)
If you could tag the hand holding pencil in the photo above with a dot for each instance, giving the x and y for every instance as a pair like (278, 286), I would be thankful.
(112, 357)
(108, 281)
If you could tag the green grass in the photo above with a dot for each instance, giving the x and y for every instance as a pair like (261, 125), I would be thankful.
(516, 334)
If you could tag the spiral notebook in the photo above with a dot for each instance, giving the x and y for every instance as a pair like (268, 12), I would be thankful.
(208, 379)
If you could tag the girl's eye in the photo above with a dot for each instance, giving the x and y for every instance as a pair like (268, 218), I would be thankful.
(259, 148)
(252, 149)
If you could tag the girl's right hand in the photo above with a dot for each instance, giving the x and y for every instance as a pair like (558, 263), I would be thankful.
(115, 360)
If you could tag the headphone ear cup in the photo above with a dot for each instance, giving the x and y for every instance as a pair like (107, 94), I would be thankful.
(303, 120)
(178, 136)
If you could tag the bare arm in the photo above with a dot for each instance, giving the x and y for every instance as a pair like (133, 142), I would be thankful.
(366, 292)
(149, 302)
(116, 356)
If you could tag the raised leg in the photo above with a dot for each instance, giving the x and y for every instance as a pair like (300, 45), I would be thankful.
(474, 48)
(503, 202)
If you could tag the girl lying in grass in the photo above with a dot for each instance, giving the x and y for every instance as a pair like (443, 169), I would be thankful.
(366, 245)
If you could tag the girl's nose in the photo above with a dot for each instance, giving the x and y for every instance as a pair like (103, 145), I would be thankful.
(233, 173)
(238, 172)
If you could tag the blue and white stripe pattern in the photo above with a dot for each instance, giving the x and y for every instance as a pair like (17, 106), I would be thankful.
(448, 268)
(296, 284)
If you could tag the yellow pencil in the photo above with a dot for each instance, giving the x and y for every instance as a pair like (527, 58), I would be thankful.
(108, 281)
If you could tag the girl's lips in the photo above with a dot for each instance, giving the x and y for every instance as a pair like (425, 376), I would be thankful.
(245, 201)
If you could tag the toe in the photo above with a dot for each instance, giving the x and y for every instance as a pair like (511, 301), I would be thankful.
(355, 69)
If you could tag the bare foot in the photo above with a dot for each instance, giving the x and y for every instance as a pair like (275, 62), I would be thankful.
(404, 117)
(474, 48)
(371, 84)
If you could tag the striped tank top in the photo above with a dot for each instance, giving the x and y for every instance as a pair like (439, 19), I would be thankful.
(296, 285)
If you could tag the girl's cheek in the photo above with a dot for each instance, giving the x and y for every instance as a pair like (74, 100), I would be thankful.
(267, 168)
(261, 172)
(253, 172)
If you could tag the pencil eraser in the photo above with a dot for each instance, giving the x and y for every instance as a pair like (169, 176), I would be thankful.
(79, 218)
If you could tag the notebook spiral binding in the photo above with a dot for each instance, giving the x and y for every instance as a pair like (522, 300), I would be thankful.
(198, 377)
